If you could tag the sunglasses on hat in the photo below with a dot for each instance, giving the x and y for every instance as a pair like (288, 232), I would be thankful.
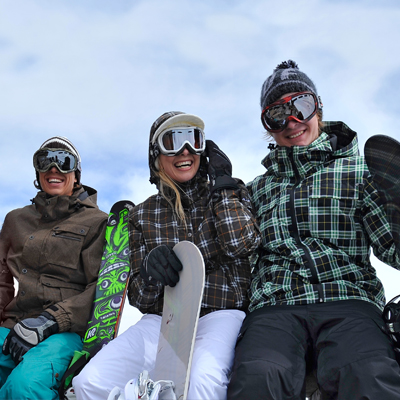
(300, 107)
(44, 159)
(172, 142)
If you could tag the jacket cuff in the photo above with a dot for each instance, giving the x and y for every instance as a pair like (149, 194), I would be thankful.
(224, 182)
(61, 317)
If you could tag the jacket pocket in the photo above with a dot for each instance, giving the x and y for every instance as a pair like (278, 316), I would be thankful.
(56, 290)
(64, 245)
(334, 213)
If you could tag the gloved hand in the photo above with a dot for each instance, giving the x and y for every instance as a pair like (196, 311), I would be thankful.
(27, 334)
(162, 265)
(219, 168)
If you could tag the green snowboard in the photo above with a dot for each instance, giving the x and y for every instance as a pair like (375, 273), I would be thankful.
(110, 292)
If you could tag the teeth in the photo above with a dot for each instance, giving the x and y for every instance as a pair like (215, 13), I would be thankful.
(55, 180)
(296, 135)
(183, 164)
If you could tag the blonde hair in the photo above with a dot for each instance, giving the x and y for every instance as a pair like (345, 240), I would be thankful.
(165, 182)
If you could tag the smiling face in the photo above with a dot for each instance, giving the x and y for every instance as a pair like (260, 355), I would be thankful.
(297, 133)
(180, 168)
(55, 183)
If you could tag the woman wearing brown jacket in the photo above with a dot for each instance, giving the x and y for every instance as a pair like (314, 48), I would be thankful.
(53, 249)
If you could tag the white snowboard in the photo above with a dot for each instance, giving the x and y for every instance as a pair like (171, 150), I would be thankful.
(181, 311)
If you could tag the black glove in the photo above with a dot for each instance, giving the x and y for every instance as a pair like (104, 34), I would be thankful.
(162, 265)
(219, 168)
(27, 334)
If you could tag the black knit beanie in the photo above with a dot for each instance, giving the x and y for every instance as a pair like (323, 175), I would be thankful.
(286, 78)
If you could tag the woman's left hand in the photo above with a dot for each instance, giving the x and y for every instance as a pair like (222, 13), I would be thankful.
(219, 168)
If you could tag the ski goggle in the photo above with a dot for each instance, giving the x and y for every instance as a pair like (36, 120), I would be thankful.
(300, 107)
(172, 142)
(44, 159)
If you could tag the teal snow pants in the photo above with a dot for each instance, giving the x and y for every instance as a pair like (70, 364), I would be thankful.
(38, 375)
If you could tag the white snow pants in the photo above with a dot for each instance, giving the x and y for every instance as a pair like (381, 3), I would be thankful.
(135, 350)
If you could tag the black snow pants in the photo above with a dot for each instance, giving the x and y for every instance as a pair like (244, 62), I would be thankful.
(343, 342)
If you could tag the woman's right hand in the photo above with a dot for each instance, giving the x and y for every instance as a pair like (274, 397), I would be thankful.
(161, 265)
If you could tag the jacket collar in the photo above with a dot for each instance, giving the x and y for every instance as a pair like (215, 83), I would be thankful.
(53, 208)
(190, 191)
(336, 141)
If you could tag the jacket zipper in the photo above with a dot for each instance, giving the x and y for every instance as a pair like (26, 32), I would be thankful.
(58, 235)
(309, 261)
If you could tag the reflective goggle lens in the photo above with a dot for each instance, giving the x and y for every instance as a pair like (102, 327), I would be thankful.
(300, 107)
(44, 159)
(173, 141)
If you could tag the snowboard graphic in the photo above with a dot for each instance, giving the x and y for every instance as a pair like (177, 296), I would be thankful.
(181, 311)
(112, 281)
(110, 291)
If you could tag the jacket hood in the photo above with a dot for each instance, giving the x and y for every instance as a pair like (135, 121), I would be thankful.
(336, 141)
(165, 121)
(57, 207)
(154, 152)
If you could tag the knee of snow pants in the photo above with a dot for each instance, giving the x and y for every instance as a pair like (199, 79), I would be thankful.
(39, 374)
(355, 357)
(213, 354)
(6, 362)
(121, 360)
(270, 356)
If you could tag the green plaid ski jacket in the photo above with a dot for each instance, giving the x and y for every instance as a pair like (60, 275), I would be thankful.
(319, 216)
(223, 228)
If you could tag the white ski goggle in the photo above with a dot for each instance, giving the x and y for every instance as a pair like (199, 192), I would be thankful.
(172, 142)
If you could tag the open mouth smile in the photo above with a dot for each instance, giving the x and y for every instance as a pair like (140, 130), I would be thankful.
(54, 180)
(296, 135)
(184, 164)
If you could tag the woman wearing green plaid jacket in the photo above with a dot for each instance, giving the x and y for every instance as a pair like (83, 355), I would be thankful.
(316, 302)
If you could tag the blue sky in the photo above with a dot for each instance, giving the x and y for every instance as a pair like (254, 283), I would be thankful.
(100, 72)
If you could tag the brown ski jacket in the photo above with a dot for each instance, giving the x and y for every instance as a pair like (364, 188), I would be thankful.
(53, 249)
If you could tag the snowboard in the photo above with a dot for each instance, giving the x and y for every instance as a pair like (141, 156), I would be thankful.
(110, 292)
(181, 312)
(382, 154)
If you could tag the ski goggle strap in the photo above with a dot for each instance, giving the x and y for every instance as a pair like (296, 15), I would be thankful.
(300, 107)
(44, 159)
(172, 142)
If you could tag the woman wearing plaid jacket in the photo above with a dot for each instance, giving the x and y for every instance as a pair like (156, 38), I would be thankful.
(316, 302)
(216, 215)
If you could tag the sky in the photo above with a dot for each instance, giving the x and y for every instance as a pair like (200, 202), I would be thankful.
(101, 71)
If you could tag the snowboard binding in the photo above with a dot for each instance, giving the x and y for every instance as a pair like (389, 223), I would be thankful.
(145, 389)
(391, 316)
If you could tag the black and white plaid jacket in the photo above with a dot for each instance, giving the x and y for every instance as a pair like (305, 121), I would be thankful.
(223, 228)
